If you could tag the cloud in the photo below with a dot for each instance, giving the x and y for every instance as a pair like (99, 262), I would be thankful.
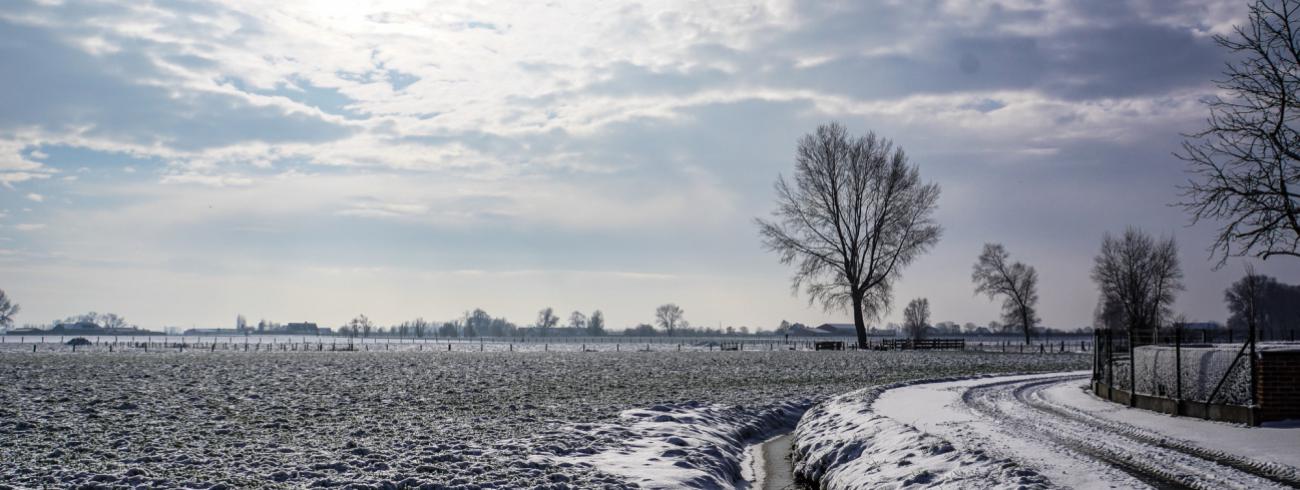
(578, 137)
(32, 196)
(207, 180)
(194, 88)
(374, 208)
(29, 226)
(8, 179)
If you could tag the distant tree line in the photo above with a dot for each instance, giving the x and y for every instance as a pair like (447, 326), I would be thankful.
(102, 320)
(1273, 306)
(478, 323)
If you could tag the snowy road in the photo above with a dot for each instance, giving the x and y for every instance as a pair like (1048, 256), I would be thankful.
(1047, 423)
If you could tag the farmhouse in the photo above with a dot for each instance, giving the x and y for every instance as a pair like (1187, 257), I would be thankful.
(304, 328)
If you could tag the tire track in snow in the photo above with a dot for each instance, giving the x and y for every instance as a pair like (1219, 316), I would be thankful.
(1282, 474)
(1160, 465)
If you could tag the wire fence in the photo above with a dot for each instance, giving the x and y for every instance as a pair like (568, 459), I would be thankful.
(1209, 373)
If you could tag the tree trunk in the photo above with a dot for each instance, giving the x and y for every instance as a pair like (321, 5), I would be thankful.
(1024, 317)
(859, 324)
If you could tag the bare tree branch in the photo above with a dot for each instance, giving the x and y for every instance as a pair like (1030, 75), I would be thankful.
(1243, 167)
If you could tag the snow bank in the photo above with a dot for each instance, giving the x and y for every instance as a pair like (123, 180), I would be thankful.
(1203, 365)
(689, 445)
(843, 444)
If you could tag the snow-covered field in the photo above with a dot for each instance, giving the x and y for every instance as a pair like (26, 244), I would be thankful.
(304, 343)
(1036, 431)
(429, 419)
(616, 343)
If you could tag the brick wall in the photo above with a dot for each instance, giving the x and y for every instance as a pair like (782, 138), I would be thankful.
(1278, 385)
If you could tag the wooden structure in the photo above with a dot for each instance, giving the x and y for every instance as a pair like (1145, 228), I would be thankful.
(923, 344)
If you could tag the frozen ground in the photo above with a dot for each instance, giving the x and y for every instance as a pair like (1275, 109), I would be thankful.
(1049, 433)
(422, 419)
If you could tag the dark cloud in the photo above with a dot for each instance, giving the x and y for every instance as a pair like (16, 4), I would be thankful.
(1113, 53)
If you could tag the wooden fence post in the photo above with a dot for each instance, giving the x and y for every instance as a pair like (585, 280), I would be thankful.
(1178, 368)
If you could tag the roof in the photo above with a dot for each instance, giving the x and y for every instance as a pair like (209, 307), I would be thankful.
(837, 327)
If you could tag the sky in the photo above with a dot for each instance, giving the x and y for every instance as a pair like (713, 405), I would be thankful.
(182, 162)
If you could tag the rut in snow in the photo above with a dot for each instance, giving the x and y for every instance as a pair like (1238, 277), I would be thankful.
(1150, 459)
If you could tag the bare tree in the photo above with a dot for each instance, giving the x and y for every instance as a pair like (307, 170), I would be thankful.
(546, 320)
(1141, 276)
(1107, 314)
(596, 324)
(577, 320)
(449, 329)
(916, 318)
(995, 275)
(1273, 307)
(670, 317)
(1246, 165)
(477, 323)
(644, 330)
(1247, 295)
(360, 325)
(112, 320)
(854, 215)
(8, 309)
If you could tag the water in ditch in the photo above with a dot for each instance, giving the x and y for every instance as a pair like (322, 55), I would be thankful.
(768, 465)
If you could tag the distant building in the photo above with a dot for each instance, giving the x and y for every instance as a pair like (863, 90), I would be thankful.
(304, 328)
(214, 331)
(28, 331)
(823, 330)
(837, 329)
(82, 328)
(79, 327)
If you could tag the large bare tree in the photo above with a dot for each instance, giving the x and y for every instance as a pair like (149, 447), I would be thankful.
(670, 317)
(1244, 166)
(1140, 275)
(995, 275)
(855, 213)
(7, 310)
